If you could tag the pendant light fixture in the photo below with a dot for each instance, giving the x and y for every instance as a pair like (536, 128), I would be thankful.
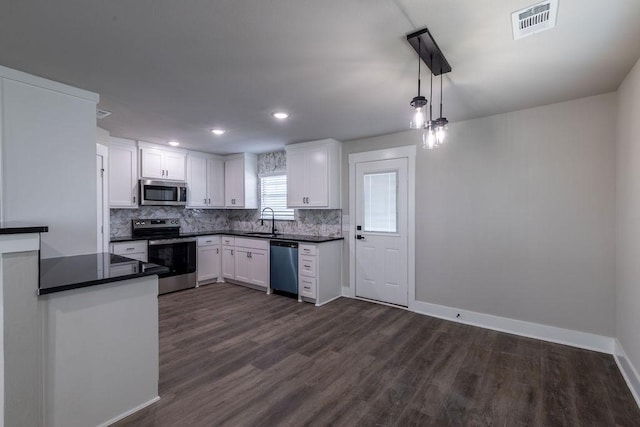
(440, 124)
(434, 131)
(419, 102)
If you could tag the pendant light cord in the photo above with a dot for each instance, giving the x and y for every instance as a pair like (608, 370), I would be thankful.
(440, 93)
(419, 53)
(431, 92)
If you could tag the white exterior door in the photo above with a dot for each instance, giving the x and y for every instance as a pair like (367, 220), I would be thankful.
(381, 218)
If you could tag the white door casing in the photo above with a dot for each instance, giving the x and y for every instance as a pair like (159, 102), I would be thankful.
(372, 259)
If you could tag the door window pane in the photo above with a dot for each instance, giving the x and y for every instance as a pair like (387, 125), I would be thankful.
(380, 208)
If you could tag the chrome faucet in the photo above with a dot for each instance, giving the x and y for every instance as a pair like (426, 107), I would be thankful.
(273, 219)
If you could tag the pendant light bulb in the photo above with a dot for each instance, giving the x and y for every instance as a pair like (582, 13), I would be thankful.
(429, 139)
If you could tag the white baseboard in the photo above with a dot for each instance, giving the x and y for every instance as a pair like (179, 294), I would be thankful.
(126, 414)
(554, 334)
(628, 371)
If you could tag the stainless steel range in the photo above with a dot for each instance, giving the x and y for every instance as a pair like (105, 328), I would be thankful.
(167, 248)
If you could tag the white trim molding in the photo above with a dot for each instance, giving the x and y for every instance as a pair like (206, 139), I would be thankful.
(629, 372)
(129, 412)
(553, 334)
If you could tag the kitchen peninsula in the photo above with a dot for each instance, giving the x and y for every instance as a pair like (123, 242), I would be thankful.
(99, 316)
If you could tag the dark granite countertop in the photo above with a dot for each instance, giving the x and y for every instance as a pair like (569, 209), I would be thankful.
(80, 271)
(246, 234)
(14, 227)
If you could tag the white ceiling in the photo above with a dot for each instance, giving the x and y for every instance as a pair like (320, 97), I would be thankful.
(171, 69)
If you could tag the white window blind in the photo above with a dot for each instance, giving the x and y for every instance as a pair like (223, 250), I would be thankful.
(273, 194)
(380, 207)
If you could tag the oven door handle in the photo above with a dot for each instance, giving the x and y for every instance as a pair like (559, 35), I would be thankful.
(170, 241)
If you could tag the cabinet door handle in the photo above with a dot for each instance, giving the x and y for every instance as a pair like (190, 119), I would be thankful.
(231, 251)
(130, 249)
(217, 250)
(167, 173)
(209, 201)
(134, 199)
(204, 201)
(307, 266)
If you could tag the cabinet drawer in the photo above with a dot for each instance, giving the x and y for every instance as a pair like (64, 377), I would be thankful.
(124, 248)
(307, 266)
(307, 250)
(228, 241)
(307, 287)
(208, 240)
(252, 243)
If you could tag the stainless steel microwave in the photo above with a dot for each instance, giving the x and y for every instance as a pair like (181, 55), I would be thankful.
(163, 193)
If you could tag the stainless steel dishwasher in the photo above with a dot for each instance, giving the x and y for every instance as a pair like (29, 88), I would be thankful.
(284, 267)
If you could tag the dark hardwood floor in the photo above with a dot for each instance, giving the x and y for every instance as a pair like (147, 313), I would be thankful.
(234, 356)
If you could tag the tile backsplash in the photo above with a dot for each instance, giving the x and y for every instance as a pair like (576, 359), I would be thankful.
(322, 222)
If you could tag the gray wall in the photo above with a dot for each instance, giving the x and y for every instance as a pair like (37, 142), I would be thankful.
(49, 161)
(515, 215)
(628, 217)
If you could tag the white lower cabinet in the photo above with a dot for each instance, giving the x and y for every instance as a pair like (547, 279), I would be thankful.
(208, 259)
(319, 272)
(246, 261)
(252, 261)
(136, 249)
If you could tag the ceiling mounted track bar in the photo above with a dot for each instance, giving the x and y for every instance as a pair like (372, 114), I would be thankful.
(429, 51)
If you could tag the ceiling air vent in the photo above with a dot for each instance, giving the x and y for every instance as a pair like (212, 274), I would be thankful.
(101, 114)
(534, 19)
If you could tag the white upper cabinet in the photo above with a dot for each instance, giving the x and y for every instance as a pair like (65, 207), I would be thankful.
(205, 180)
(241, 181)
(160, 163)
(313, 174)
(123, 173)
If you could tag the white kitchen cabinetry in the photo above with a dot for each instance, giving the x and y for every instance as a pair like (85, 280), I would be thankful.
(123, 173)
(313, 174)
(228, 258)
(161, 163)
(205, 180)
(251, 261)
(241, 181)
(208, 261)
(136, 249)
(319, 267)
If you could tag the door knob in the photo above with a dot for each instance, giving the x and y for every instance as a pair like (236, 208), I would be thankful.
(359, 237)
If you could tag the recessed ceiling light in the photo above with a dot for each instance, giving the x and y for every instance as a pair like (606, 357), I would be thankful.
(280, 115)
(174, 143)
(218, 131)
